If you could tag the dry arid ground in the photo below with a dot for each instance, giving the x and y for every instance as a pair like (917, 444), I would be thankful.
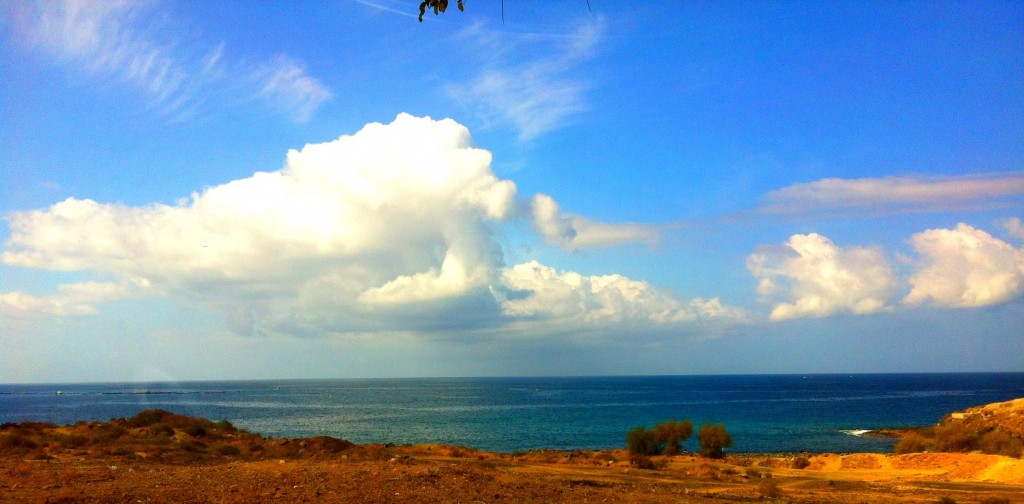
(161, 457)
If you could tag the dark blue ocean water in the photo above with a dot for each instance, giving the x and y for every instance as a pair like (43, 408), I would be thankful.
(765, 413)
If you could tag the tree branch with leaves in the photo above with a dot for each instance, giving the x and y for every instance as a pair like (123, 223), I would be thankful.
(439, 6)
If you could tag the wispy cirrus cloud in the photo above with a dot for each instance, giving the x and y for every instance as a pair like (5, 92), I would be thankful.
(128, 42)
(888, 195)
(531, 95)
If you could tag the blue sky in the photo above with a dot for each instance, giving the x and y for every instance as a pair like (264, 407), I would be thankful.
(209, 190)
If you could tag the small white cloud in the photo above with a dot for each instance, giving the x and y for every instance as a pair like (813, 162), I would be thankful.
(573, 231)
(895, 194)
(1014, 227)
(541, 292)
(965, 267)
(809, 276)
(549, 222)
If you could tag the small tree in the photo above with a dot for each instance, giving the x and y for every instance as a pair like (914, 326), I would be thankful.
(673, 434)
(643, 441)
(713, 438)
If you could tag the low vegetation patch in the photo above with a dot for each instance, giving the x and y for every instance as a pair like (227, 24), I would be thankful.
(713, 439)
(665, 438)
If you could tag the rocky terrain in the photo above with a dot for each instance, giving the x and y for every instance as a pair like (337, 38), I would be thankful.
(158, 456)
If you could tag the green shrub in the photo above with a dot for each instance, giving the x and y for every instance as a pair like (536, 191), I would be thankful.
(643, 441)
(800, 462)
(673, 434)
(713, 439)
(226, 426)
(667, 437)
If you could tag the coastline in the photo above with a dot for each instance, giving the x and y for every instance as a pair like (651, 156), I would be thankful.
(763, 413)
(164, 457)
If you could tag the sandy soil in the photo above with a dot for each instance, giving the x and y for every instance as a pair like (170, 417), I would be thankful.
(176, 459)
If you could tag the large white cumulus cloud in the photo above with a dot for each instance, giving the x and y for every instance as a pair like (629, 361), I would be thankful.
(965, 267)
(809, 276)
(390, 228)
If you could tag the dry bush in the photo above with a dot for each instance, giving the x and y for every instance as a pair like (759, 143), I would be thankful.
(161, 429)
(769, 489)
(954, 437)
(229, 451)
(800, 462)
(16, 443)
(740, 461)
(713, 438)
(999, 442)
(194, 446)
(912, 443)
(640, 461)
(148, 417)
(994, 500)
(70, 440)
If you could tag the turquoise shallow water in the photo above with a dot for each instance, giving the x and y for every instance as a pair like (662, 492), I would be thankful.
(764, 413)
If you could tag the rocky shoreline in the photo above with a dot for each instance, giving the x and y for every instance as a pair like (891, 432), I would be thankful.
(158, 456)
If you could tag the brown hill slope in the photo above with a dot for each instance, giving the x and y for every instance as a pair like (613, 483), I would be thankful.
(1007, 416)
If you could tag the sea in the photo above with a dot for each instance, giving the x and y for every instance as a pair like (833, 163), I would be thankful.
(763, 413)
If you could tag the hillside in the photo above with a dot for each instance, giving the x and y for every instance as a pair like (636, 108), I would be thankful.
(1007, 416)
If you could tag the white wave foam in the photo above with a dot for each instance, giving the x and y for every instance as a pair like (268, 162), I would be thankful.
(855, 432)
